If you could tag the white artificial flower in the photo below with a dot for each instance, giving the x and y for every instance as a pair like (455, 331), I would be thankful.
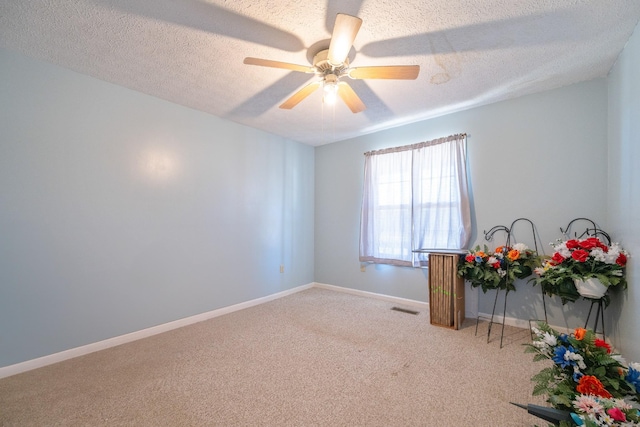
(520, 247)
(606, 420)
(600, 255)
(568, 355)
(540, 344)
(501, 272)
(635, 365)
(544, 340)
(492, 260)
(587, 404)
(612, 255)
(618, 358)
(622, 404)
(562, 249)
(549, 339)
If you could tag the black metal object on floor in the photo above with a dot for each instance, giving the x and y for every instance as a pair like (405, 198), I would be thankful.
(551, 415)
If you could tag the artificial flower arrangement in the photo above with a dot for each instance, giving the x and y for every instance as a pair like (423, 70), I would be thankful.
(580, 259)
(497, 269)
(588, 379)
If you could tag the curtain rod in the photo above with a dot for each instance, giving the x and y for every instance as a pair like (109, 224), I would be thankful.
(417, 145)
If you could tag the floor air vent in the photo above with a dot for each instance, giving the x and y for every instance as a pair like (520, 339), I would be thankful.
(404, 310)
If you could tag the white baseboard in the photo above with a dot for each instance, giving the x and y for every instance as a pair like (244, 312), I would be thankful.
(509, 321)
(397, 300)
(40, 362)
(144, 333)
(469, 313)
(520, 323)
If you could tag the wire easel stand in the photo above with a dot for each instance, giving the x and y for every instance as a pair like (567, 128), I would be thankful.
(594, 231)
(488, 235)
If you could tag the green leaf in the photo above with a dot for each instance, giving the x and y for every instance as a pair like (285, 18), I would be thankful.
(600, 371)
(540, 389)
(539, 357)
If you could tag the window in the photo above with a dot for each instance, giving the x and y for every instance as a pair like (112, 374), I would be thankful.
(415, 197)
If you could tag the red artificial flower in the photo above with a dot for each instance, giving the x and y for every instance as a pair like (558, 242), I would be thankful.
(580, 255)
(589, 384)
(496, 265)
(572, 244)
(590, 243)
(557, 258)
(603, 344)
(621, 260)
(616, 414)
(470, 258)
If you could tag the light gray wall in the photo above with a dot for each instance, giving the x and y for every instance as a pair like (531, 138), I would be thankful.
(120, 211)
(624, 190)
(541, 156)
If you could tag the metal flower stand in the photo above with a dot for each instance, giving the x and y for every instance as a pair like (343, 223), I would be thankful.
(488, 235)
(600, 304)
(599, 318)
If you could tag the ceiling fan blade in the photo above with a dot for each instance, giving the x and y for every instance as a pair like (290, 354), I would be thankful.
(399, 72)
(344, 33)
(300, 95)
(278, 64)
(350, 98)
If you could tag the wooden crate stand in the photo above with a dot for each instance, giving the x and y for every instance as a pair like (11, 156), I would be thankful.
(446, 291)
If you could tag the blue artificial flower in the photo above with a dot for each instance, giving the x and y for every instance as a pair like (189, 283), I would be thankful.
(633, 377)
(577, 419)
(559, 359)
(577, 375)
(478, 259)
(564, 338)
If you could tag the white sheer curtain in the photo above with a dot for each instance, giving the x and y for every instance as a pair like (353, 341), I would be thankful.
(415, 197)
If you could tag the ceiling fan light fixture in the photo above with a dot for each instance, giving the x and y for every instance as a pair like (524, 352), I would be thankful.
(330, 89)
(330, 93)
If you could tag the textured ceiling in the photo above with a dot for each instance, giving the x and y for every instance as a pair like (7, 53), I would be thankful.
(190, 52)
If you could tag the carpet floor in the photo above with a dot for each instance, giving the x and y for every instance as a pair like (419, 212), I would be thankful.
(314, 358)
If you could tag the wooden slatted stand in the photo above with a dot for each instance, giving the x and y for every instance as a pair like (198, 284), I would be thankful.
(446, 291)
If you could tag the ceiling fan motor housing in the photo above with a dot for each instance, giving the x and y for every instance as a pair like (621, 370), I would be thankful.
(321, 63)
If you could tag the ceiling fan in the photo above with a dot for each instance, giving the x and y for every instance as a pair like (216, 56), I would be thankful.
(332, 65)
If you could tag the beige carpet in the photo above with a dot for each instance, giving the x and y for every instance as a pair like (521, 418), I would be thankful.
(315, 358)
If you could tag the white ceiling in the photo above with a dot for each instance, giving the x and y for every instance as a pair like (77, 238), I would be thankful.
(190, 52)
